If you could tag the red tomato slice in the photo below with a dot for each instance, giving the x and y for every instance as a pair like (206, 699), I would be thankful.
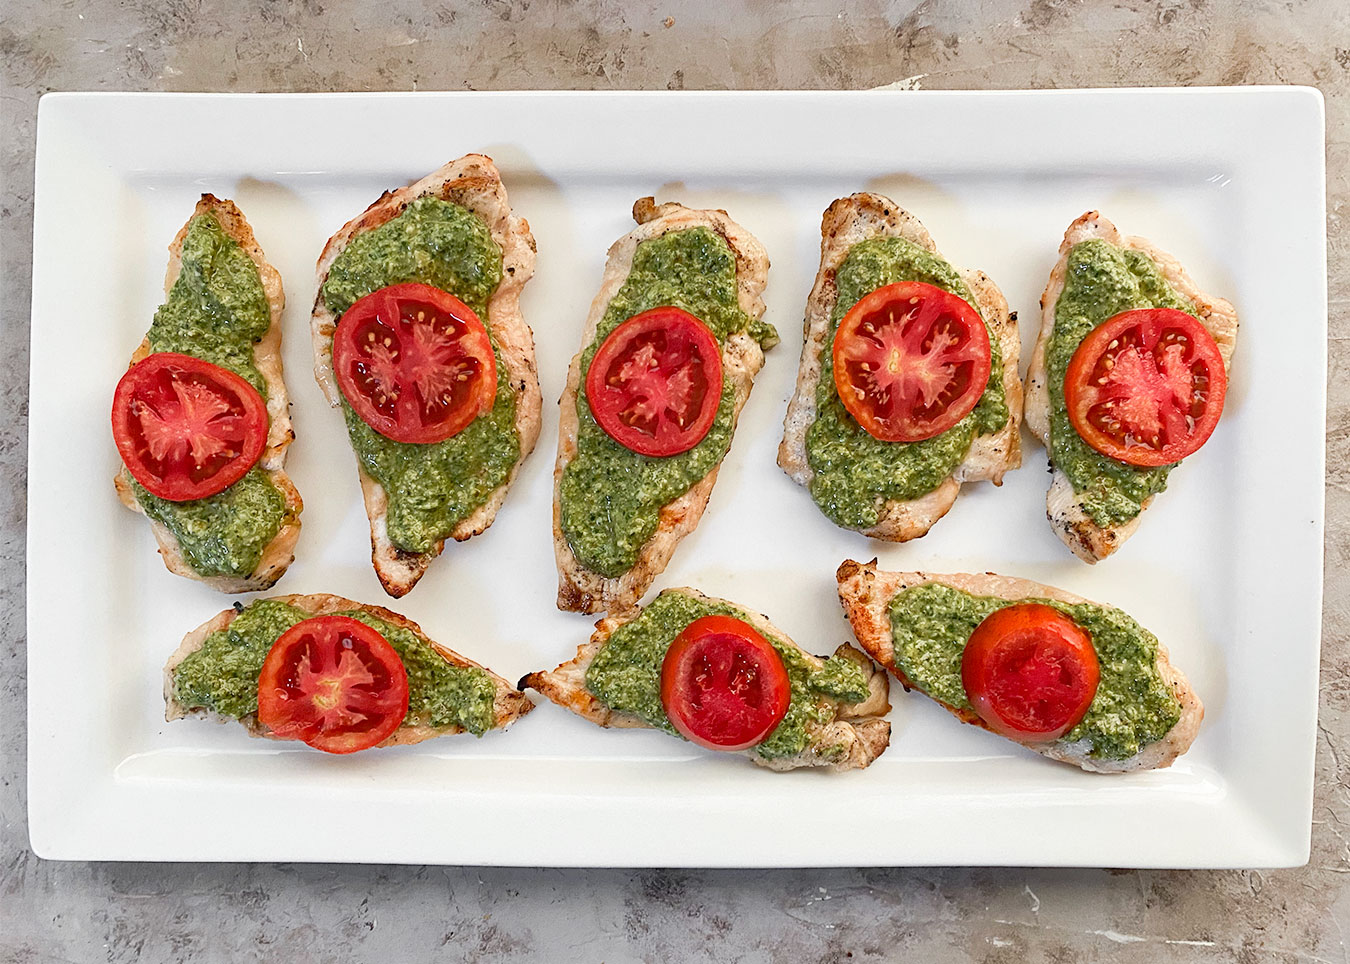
(415, 363)
(655, 384)
(1030, 672)
(333, 682)
(186, 428)
(910, 361)
(1146, 387)
(723, 685)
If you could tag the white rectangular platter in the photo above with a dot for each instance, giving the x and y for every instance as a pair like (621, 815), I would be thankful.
(1226, 568)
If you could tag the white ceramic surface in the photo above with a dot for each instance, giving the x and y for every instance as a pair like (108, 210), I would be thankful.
(1226, 568)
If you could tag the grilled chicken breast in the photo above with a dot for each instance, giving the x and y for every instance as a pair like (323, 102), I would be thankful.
(473, 182)
(866, 593)
(846, 222)
(856, 737)
(280, 551)
(1064, 508)
(581, 589)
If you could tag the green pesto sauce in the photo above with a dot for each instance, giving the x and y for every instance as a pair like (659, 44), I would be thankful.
(610, 497)
(217, 310)
(431, 487)
(626, 674)
(223, 674)
(930, 625)
(224, 534)
(854, 474)
(1101, 280)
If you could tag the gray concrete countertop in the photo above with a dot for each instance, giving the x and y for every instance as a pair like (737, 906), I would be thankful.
(125, 912)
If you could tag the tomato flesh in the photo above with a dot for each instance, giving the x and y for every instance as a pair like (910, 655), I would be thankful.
(1146, 387)
(1030, 672)
(910, 361)
(415, 363)
(723, 685)
(656, 381)
(334, 683)
(185, 428)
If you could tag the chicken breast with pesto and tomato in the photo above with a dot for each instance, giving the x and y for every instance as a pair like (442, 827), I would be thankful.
(1076, 681)
(335, 674)
(908, 381)
(669, 352)
(1128, 377)
(201, 419)
(419, 339)
(726, 679)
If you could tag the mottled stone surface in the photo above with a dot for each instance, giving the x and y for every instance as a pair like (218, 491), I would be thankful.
(53, 911)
